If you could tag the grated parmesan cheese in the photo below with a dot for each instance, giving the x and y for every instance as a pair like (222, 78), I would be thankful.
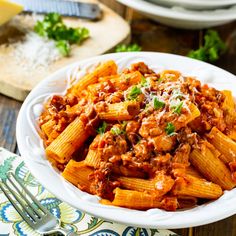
(31, 51)
(35, 51)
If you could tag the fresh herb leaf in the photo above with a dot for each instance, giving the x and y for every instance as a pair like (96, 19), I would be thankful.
(170, 128)
(124, 123)
(53, 28)
(211, 50)
(157, 104)
(102, 129)
(178, 108)
(128, 48)
(134, 92)
(116, 131)
(64, 47)
(144, 83)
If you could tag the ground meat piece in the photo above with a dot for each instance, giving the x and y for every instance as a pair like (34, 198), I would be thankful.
(142, 151)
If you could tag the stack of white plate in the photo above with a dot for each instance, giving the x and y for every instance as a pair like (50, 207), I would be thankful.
(188, 14)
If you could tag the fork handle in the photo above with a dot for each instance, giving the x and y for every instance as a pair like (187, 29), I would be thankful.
(67, 232)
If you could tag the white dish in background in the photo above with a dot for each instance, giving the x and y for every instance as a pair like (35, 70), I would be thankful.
(183, 18)
(30, 144)
(195, 4)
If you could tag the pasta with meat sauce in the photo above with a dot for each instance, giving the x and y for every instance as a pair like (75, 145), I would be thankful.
(141, 140)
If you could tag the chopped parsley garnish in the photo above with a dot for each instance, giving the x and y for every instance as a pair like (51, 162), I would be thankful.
(53, 28)
(157, 104)
(133, 93)
(102, 129)
(211, 50)
(144, 83)
(177, 109)
(116, 131)
(128, 48)
(170, 128)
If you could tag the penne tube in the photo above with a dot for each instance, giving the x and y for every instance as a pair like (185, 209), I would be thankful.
(159, 185)
(128, 172)
(141, 200)
(190, 170)
(127, 80)
(224, 144)
(93, 158)
(229, 107)
(211, 167)
(120, 111)
(68, 141)
(106, 69)
(48, 127)
(78, 174)
(196, 187)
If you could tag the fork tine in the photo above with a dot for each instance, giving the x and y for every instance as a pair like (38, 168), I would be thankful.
(39, 205)
(37, 213)
(22, 214)
(22, 204)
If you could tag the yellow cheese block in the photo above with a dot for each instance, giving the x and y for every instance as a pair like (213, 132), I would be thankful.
(8, 10)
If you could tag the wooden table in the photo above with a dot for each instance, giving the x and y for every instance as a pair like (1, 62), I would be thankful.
(152, 37)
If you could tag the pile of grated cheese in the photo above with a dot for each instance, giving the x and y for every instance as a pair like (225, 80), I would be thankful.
(31, 51)
(35, 51)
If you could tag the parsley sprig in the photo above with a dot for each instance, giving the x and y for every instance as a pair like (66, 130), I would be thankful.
(102, 129)
(170, 128)
(211, 50)
(133, 93)
(117, 131)
(157, 104)
(53, 28)
(128, 48)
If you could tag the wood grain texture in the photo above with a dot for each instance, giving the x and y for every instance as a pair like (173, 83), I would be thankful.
(8, 113)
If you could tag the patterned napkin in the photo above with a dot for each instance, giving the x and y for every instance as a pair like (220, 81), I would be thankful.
(12, 224)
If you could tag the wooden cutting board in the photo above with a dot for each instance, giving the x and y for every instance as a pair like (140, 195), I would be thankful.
(17, 81)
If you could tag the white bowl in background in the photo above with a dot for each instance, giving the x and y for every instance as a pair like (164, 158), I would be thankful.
(195, 4)
(182, 18)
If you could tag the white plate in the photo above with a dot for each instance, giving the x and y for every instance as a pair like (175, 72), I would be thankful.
(30, 144)
(195, 4)
(183, 18)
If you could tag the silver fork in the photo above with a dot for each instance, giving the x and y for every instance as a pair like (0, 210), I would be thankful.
(30, 209)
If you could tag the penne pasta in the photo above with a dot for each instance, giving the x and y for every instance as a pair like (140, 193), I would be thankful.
(93, 158)
(78, 174)
(196, 187)
(211, 167)
(224, 144)
(67, 142)
(106, 69)
(120, 111)
(142, 200)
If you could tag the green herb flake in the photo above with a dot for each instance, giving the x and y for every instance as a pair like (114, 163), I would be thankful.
(170, 128)
(157, 104)
(102, 129)
(145, 83)
(63, 47)
(134, 92)
(116, 131)
(128, 48)
(53, 28)
(177, 109)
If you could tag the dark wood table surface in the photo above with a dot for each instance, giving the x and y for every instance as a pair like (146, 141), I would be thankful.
(152, 37)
